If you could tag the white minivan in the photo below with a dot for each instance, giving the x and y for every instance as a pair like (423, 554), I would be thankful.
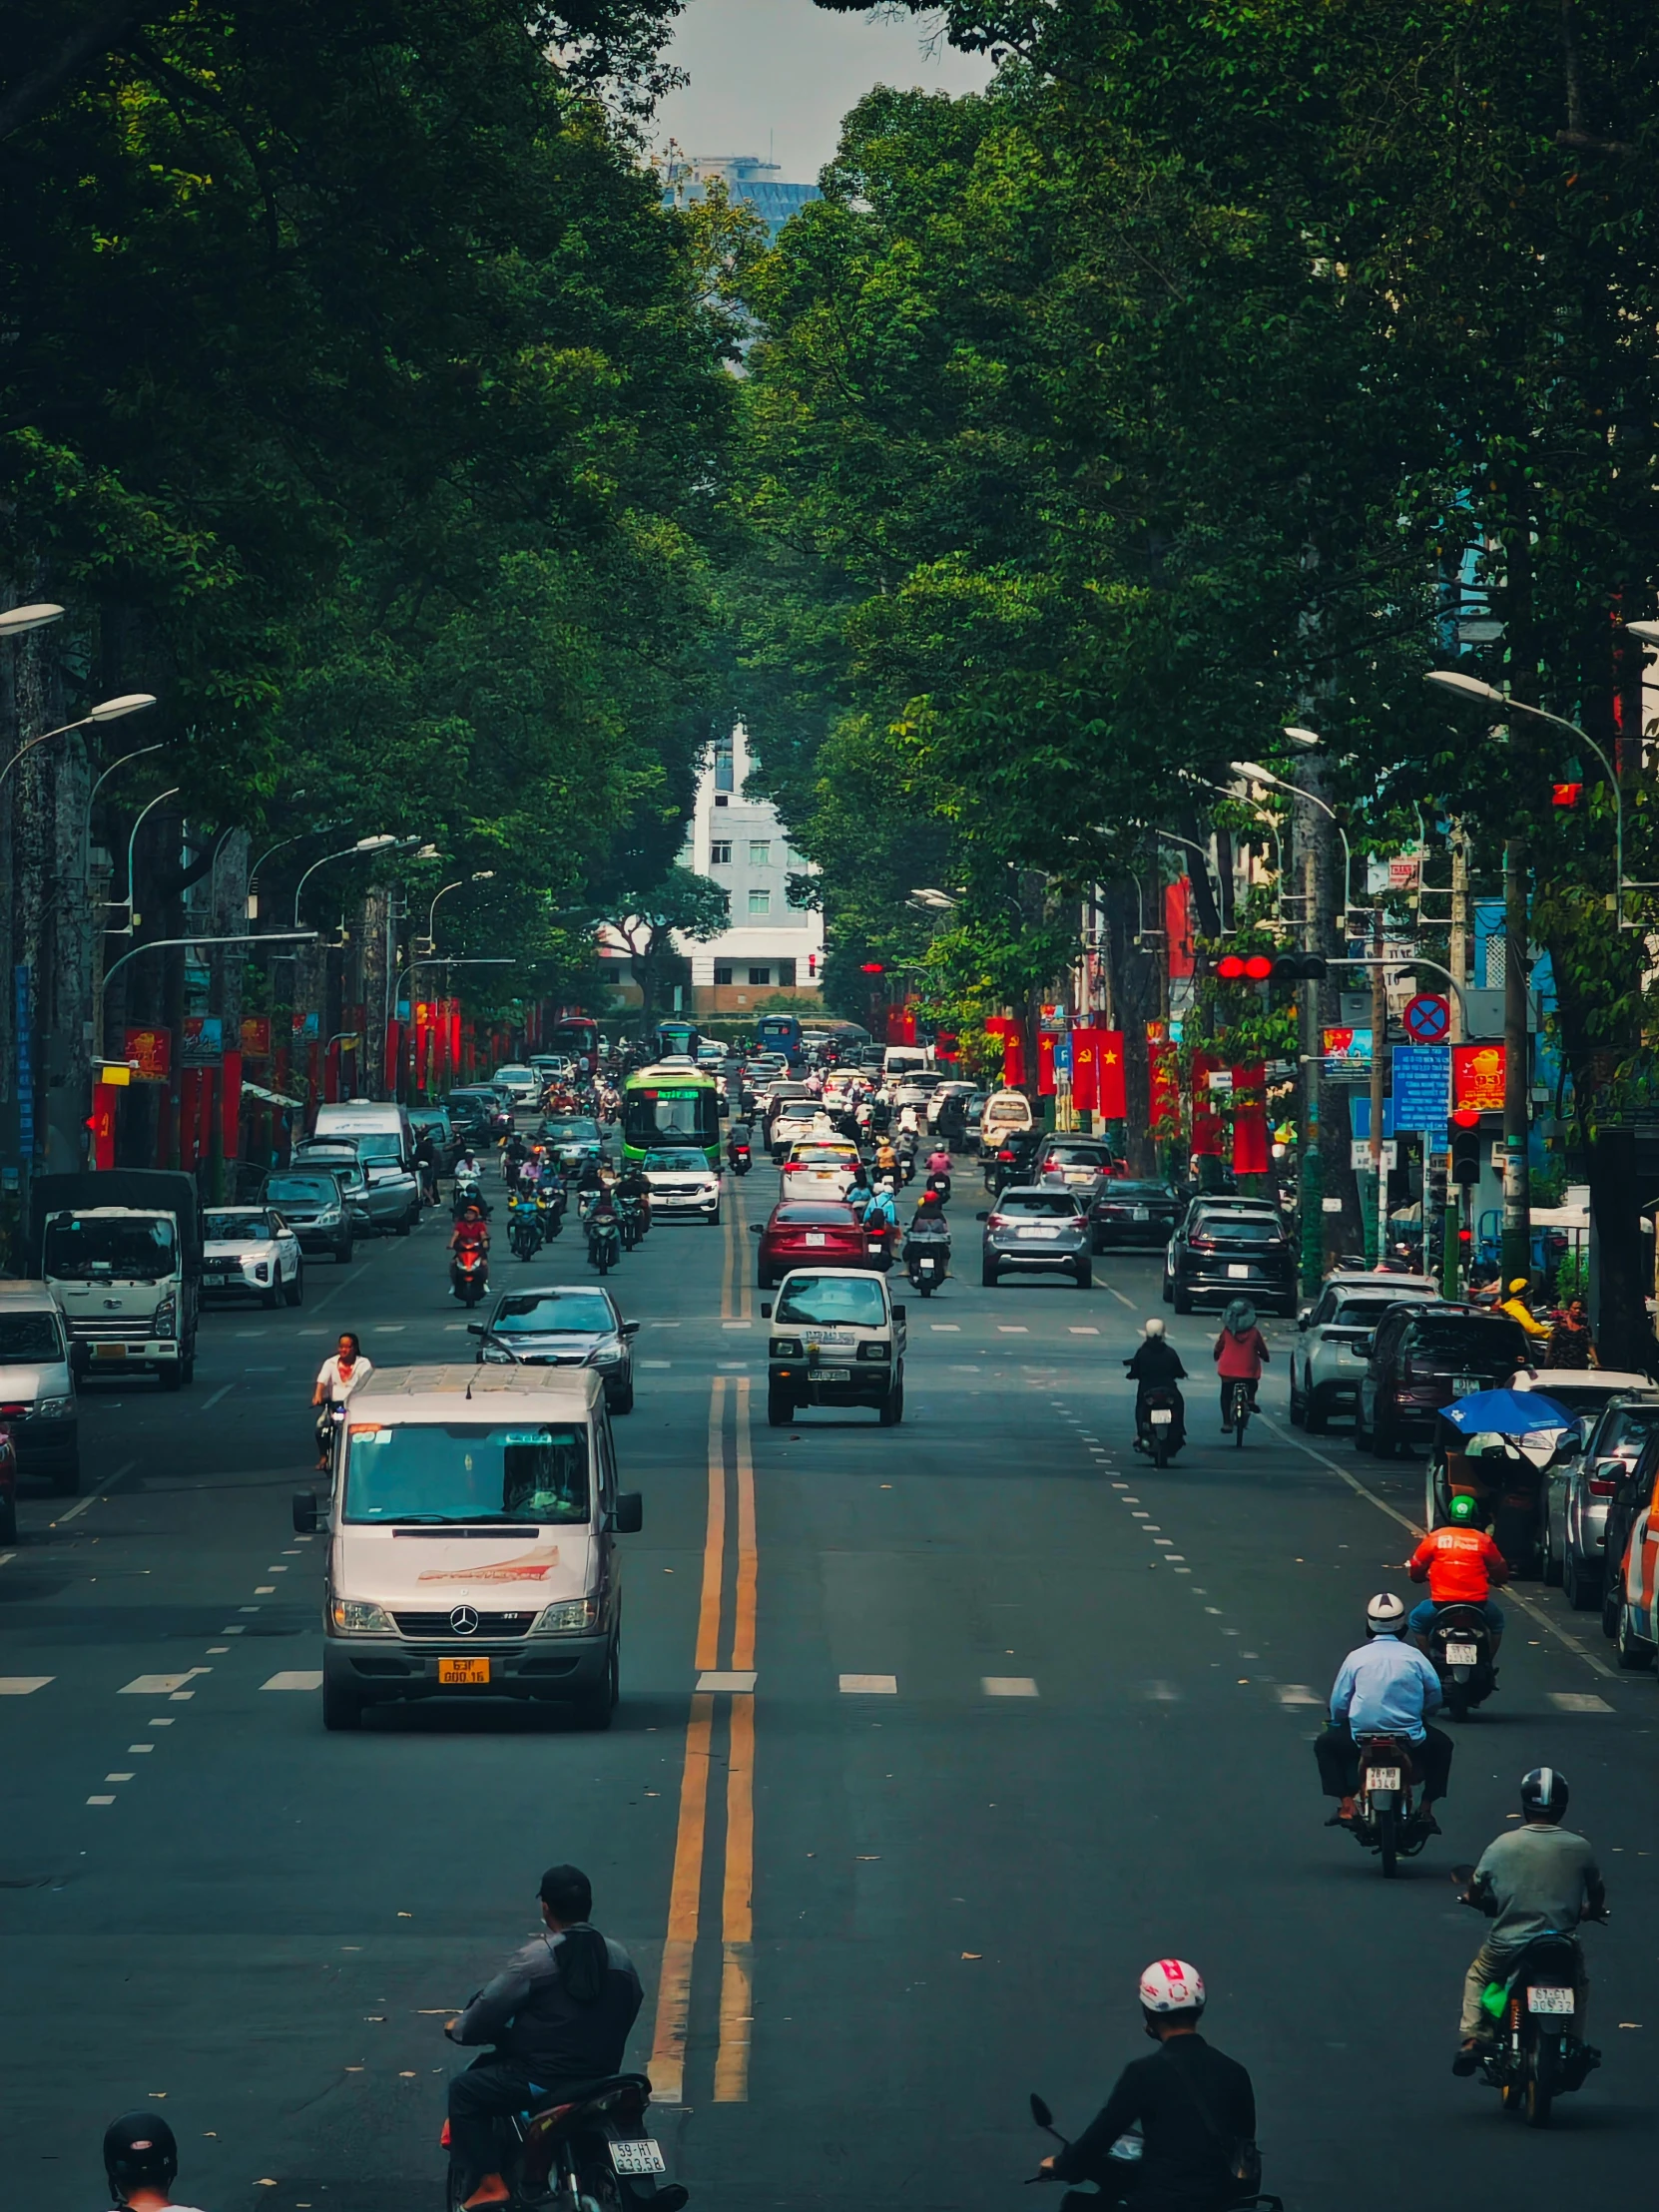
(472, 1522)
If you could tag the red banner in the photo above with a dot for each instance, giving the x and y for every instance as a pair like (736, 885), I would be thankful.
(106, 1097)
(1014, 1060)
(229, 1106)
(1206, 1123)
(1251, 1152)
(1163, 1083)
(1111, 1098)
(1045, 1064)
(255, 1037)
(1085, 1057)
(1178, 925)
(149, 1052)
(1477, 1077)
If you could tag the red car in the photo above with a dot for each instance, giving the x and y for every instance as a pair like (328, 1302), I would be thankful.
(803, 1230)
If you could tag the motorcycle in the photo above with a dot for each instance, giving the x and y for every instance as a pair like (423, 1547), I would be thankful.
(939, 1187)
(1386, 1819)
(1160, 1422)
(1123, 2164)
(604, 1241)
(628, 1219)
(468, 1190)
(550, 1209)
(926, 1261)
(589, 2155)
(879, 1239)
(524, 1230)
(330, 1421)
(1459, 1646)
(469, 1274)
(737, 1153)
(1535, 2056)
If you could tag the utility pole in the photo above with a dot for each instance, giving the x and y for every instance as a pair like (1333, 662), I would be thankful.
(1517, 1072)
(1313, 1164)
(1379, 1043)
(1459, 955)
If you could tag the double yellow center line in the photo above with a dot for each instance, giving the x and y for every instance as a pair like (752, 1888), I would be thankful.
(673, 2000)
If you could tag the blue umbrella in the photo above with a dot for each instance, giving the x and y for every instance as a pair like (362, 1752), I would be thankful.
(1507, 1414)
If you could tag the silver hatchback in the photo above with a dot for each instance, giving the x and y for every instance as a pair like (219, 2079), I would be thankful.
(1037, 1226)
(1591, 1463)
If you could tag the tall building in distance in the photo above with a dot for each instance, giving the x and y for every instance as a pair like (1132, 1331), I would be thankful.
(774, 945)
(749, 181)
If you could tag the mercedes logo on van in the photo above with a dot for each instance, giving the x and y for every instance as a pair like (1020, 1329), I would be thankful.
(464, 1621)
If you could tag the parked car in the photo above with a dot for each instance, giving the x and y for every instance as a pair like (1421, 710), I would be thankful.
(836, 1338)
(1133, 1213)
(1633, 1590)
(1036, 1229)
(314, 1203)
(1585, 1477)
(383, 1189)
(1082, 1163)
(38, 1407)
(683, 1185)
(1227, 1251)
(803, 1231)
(1635, 1486)
(251, 1252)
(1329, 1351)
(1425, 1355)
(561, 1324)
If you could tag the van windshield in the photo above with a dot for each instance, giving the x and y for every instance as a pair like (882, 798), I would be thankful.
(823, 1301)
(442, 1471)
(136, 1247)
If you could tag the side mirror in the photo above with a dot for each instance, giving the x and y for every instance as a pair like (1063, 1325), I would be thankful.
(899, 1312)
(981, 1216)
(757, 1227)
(629, 1517)
(475, 1329)
(1304, 1317)
(305, 1512)
(630, 1328)
(765, 1311)
(1366, 1345)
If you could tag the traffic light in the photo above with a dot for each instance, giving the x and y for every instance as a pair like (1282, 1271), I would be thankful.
(1298, 968)
(1244, 967)
(1466, 1156)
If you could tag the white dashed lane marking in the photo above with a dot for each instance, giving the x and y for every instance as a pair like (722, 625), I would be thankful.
(1008, 1685)
(1298, 1693)
(869, 1685)
(294, 1678)
(153, 1685)
(1578, 1701)
(23, 1685)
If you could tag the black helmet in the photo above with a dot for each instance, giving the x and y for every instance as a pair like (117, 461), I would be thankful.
(1544, 1791)
(139, 2153)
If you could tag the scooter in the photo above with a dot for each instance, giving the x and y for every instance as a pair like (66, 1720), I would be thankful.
(926, 1261)
(737, 1153)
(628, 1219)
(590, 2155)
(330, 1421)
(550, 1209)
(1160, 1424)
(469, 1274)
(1459, 1646)
(878, 1235)
(1123, 2169)
(1386, 1819)
(604, 1241)
(1535, 2056)
(524, 1229)
(939, 1185)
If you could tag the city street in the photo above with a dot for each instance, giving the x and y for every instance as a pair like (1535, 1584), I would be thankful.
(992, 1713)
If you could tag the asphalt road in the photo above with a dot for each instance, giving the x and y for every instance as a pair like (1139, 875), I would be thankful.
(908, 1877)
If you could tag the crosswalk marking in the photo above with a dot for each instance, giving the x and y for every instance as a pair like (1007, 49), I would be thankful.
(946, 1327)
(295, 1678)
(23, 1685)
(869, 1685)
(1008, 1685)
(656, 1363)
(100, 1800)
(1578, 1701)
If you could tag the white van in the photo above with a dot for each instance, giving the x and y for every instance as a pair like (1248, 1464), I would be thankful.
(901, 1060)
(472, 1523)
(383, 1125)
(1005, 1114)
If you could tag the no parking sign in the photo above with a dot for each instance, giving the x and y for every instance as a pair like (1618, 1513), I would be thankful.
(1429, 1019)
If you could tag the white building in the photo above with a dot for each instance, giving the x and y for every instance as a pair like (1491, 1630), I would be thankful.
(773, 945)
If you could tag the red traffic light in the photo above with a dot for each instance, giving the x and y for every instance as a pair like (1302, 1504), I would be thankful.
(872, 967)
(1466, 1117)
(1465, 1236)
(1257, 968)
(1229, 968)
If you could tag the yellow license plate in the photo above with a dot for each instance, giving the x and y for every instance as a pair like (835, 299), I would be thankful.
(462, 1671)
(109, 1352)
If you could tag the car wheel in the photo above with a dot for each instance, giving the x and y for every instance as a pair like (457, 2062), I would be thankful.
(625, 1404)
(780, 1409)
(341, 1707)
(1097, 1244)
(296, 1290)
(1167, 1292)
(272, 1297)
(989, 1274)
(1181, 1300)
(172, 1378)
(1549, 1559)
(66, 1481)
(1299, 1404)
(1613, 1599)
(1580, 1585)
(1635, 1652)
(409, 1221)
(891, 1409)
(1085, 1276)
(8, 1521)
(1383, 1442)
(1315, 1418)
(342, 1257)
(592, 1711)
(714, 1219)
(1362, 1435)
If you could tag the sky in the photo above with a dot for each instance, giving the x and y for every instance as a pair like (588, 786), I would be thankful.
(783, 73)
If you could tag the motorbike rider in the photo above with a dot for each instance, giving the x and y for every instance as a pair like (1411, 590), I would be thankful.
(1516, 1308)
(1385, 1687)
(1536, 1880)
(514, 1153)
(141, 2162)
(471, 1229)
(737, 1139)
(1240, 1352)
(467, 1168)
(633, 1184)
(558, 2013)
(882, 1210)
(426, 1168)
(1194, 2108)
(1155, 1364)
(343, 1371)
(1462, 1564)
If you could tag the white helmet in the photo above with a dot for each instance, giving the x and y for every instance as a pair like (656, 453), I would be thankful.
(1154, 1328)
(1385, 1615)
(1171, 1985)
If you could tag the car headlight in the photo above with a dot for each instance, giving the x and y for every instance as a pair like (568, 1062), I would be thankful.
(572, 1616)
(785, 1347)
(604, 1356)
(326, 1218)
(53, 1408)
(352, 1616)
(875, 1352)
(167, 1317)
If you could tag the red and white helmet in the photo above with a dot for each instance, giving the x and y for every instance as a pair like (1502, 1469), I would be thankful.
(1171, 1985)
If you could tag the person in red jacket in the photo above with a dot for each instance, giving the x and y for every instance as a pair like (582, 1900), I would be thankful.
(1240, 1352)
(1462, 1564)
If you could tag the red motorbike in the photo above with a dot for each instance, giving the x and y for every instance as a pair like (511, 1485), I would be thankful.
(469, 1274)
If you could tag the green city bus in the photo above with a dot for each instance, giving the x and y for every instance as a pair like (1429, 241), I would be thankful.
(669, 1107)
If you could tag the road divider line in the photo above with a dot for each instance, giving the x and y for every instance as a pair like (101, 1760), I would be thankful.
(713, 1536)
(728, 1260)
(76, 1511)
(737, 1912)
(746, 1594)
(674, 1987)
(746, 1282)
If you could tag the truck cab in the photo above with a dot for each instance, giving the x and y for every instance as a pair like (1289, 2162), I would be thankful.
(121, 1252)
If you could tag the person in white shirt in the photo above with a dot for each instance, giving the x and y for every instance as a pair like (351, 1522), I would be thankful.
(342, 1373)
(141, 2161)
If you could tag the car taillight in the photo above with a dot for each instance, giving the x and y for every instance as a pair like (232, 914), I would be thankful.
(1201, 1244)
(1051, 1164)
(1601, 1486)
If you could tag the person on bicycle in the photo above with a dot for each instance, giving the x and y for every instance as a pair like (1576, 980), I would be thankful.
(1240, 1354)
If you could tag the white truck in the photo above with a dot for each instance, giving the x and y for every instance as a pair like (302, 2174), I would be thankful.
(122, 1252)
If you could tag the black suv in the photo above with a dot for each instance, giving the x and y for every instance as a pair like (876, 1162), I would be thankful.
(1013, 1160)
(1424, 1355)
(1232, 1249)
(1134, 1213)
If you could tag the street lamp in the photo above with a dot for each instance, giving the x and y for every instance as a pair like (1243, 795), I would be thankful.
(940, 901)
(15, 620)
(379, 842)
(479, 875)
(1261, 775)
(132, 841)
(108, 709)
(1309, 740)
(158, 944)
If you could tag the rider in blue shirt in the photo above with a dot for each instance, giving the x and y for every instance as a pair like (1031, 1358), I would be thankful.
(1386, 1687)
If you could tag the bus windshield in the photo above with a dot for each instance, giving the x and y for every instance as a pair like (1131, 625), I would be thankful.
(654, 1115)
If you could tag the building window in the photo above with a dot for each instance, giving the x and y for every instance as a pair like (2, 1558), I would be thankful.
(760, 902)
(720, 852)
(722, 765)
(759, 975)
(760, 853)
(723, 974)
(721, 800)
(785, 971)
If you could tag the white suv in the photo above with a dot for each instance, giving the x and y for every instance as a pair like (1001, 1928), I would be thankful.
(1329, 1350)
